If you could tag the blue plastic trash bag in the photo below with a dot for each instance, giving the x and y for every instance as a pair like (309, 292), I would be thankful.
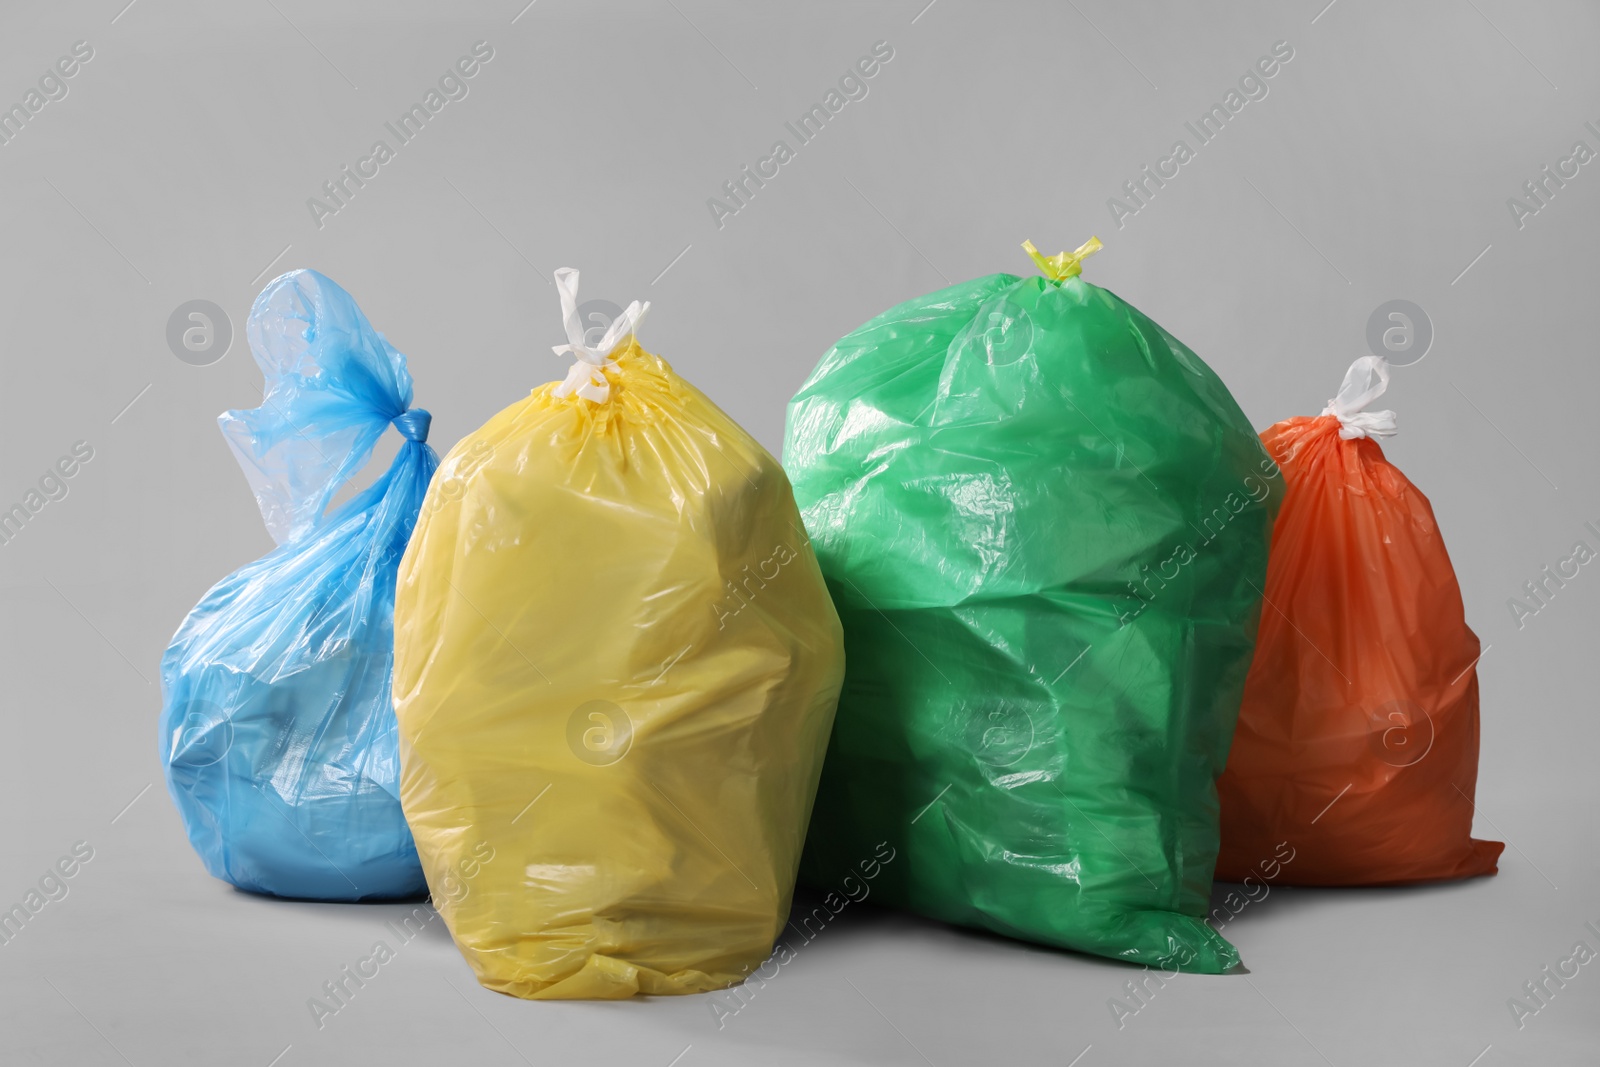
(277, 732)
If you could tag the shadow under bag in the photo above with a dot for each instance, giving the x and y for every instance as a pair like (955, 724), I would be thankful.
(277, 734)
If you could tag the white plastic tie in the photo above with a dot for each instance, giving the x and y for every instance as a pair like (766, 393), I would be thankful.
(587, 377)
(1364, 382)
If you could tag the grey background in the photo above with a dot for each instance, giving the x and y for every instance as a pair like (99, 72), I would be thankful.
(1377, 168)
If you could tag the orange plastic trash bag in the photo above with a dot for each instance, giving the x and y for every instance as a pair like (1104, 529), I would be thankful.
(1357, 743)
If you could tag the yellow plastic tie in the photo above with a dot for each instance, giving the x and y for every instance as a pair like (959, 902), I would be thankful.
(1064, 265)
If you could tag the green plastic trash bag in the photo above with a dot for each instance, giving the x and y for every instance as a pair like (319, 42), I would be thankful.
(1044, 522)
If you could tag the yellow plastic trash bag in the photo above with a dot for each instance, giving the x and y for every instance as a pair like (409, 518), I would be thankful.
(616, 666)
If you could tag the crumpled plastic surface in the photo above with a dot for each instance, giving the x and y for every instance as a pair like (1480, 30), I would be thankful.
(616, 667)
(1358, 737)
(277, 729)
(1044, 522)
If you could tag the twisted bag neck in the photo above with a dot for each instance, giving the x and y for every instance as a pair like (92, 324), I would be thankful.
(1063, 265)
(331, 386)
(413, 425)
(1364, 382)
(587, 377)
